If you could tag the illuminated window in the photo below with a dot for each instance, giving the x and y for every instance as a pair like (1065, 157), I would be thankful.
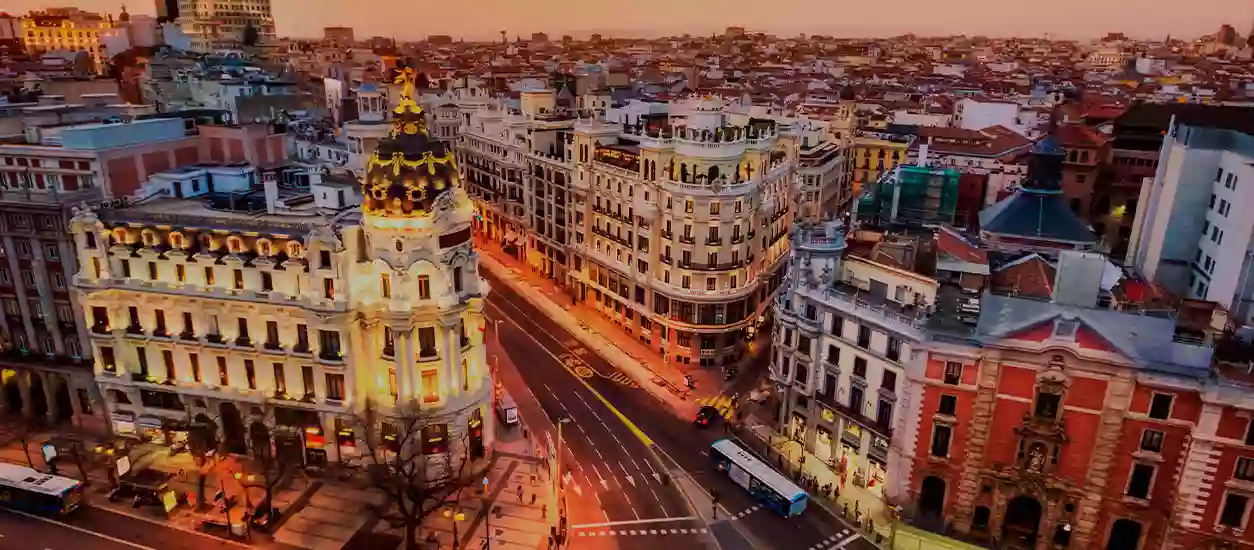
(208, 276)
(424, 287)
(194, 361)
(392, 390)
(430, 386)
(224, 377)
(180, 272)
(385, 285)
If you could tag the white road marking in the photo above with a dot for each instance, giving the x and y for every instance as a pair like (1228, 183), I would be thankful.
(658, 499)
(845, 541)
(630, 522)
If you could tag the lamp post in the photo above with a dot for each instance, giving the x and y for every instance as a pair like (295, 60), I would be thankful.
(456, 515)
(559, 486)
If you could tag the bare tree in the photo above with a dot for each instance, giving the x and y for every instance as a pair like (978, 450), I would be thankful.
(418, 475)
(273, 472)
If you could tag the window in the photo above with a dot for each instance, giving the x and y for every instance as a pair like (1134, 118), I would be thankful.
(940, 440)
(838, 326)
(1047, 405)
(864, 336)
(194, 361)
(424, 287)
(142, 356)
(335, 387)
(893, 351)
(180, 273)
(889, 382)
(107, 361)
(307, 380)
(208, 276)
(859, 367)
(385, 285)
(426, 343)
(329, 344)
(953, 373)
(328, 288)
(1249, 433)
(267, 281)
(1140, 481)
(948, 405)
(884, 413)
(430, 386)
(152, 271)
(237, 279)
(1152, 441)
(1233, 514)
(457, 280)
(1244, 470)
(224, 377)
(250, 373)
(280, 379)
(324, 259)
(1160, 406)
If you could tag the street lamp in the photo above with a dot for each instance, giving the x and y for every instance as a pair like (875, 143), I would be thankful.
(456, 515)
(558, 484)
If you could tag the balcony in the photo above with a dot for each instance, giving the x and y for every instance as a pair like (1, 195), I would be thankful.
(244, 341)
(666, 260)
(101, 329)
(667, 235)
(389, 351)
(273, 345)
(687, 239)
(726, 266)
(717, 241)
(135, 330)
(428, 354)
(331, 356)
(737, 239)
(884, 430)
(301, 348)
(187, 335)
(215, 339)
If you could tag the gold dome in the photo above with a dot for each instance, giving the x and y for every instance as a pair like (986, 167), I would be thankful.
(409, 169)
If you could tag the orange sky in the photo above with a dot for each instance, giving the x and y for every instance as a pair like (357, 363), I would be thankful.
(485, 18)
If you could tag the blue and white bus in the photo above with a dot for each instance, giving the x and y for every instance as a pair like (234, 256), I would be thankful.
(770, 487)
(28, 490)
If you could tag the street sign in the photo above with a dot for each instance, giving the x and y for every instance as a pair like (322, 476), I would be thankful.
(123, 465)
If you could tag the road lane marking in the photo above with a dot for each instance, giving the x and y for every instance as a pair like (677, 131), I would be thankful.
(631, 426)
(79, 529)
(631, 522)
(659, 500)
(845, 541)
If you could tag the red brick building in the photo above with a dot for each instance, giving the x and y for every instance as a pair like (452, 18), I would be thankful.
(1066, 427)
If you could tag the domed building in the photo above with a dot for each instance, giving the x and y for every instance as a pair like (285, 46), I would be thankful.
(281, 315)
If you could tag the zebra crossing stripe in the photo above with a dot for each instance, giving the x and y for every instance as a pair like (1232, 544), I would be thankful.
(653, 531)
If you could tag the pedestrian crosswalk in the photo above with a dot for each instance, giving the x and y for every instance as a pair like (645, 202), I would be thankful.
(640, 532)
(837, 541)
(724, 404)
(746, 512)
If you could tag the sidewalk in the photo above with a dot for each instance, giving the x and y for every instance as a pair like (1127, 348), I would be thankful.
(663, 379)
(183, 480)
(857, 505)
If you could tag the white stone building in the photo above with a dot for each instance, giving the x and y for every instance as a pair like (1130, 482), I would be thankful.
(845, 342)
(265, 310)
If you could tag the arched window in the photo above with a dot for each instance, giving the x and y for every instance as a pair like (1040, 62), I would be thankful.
(120, 235)
(234, 244)
(150, 237)
(294, 249)
(176, 240)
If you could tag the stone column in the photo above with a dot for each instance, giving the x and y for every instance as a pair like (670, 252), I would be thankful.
(23, 387)
(413, 379)
(330, 437)
(455, 366)
(50, 382)
(399, 346)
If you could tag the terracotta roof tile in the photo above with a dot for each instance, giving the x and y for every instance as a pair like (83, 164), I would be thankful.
(1030, 276)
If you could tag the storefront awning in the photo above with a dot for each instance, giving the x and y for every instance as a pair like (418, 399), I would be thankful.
(150, 421)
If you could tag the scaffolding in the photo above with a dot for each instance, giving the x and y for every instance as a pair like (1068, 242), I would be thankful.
(912, 195)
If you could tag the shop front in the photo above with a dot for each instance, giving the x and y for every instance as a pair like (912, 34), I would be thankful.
(823, 445)
(475, 428)
(124, 424)
(345, 439)
(298, 436)
(850, 447)
(162, 431)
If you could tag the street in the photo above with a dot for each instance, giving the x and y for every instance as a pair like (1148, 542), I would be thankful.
(610, 458)
(98, 529)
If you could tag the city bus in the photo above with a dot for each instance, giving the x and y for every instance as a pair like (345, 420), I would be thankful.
(28, 490)
(765, 484)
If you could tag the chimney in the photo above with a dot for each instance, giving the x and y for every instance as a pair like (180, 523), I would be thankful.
(270, 185)
(1078, 280)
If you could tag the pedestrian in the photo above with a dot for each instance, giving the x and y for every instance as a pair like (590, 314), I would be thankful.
(520, 494)
(533, 499)
(544, 511)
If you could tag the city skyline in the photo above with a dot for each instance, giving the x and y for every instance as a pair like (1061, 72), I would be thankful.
(651, 18)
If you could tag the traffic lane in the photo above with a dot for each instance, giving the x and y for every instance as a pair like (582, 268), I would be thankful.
(585, 508)
(688, 446)
(630, 455)
(611, 460)
(144, 533)
(675, 436)
(26, 533)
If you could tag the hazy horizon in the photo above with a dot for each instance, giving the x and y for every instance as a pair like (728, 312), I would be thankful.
(1064, 19)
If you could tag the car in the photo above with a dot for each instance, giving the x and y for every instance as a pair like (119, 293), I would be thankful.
(706, 416)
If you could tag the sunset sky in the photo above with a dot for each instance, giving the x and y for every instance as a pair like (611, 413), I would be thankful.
(478, 19)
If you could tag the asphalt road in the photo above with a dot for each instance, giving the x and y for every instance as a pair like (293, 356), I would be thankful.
(97, 529)
(538, 347)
